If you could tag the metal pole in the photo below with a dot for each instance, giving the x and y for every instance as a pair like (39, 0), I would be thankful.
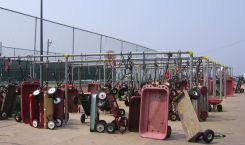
(78, 76)
(1, 48)
(72, 75)
(214, 79)
(221, 82)
(73, 41)
(66, 89)
(35, 46)
(104, 73)
(41, 42)
(191, 71)
(35, 37)
(101, 39)
(121, 46)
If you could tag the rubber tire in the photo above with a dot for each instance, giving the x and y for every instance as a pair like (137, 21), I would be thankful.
(169, 131)
(208, 136)
(17, 117)
(114, 91)
(57, 101)
(103, 97)
(173, 117)
(4, 115)
(52, 93)
(35, 123)
(194, 93)
(114, 121)
(110, 128)
(51, 124)
(242, 90)
(121, 112)
(58, 122)
(83, 118)
(100, 127)
(209, 108)
(219, 108)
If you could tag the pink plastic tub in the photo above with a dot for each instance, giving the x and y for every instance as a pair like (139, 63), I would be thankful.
(154, 112)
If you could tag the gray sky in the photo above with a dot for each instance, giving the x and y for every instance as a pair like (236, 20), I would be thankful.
(215, 28)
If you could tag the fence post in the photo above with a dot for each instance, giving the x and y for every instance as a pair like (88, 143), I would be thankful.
(1, 49)
(73, 41)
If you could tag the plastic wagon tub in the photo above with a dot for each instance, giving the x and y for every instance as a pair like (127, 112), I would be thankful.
(154, 112)
(134, 113)
(26, 89)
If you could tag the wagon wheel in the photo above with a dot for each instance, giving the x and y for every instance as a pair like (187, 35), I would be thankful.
(208, 136)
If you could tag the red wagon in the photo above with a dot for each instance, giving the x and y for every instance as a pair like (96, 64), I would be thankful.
(58, 99)
(26, 89)
(134, 113)
(154, 112)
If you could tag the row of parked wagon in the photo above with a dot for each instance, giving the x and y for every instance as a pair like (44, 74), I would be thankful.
(151, 105)
(149, 109)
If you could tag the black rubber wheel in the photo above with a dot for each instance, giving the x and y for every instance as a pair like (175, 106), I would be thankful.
(209, 108)
(173, 117)
(208, 136)
(219, 108)
(4, 115)
(195, 93)
(114, 121)
(58, 122)
(121, 112)
(110, 128)
(242, 90)
(114, 91)
(100, 126)
(17, 117)
(169, 131)
(83, 118)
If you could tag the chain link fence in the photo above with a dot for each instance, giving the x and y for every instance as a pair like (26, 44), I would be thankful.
(20, 36)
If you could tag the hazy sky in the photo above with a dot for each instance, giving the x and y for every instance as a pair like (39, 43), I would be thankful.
(215, 28)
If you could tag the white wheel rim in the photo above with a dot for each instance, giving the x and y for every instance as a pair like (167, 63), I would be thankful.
(34, 123)
(36, 92)
(51, 124)
(102, 95)
(51, 91)
(195, 93)
(57, 101)
(100, 128)
(210, 136)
